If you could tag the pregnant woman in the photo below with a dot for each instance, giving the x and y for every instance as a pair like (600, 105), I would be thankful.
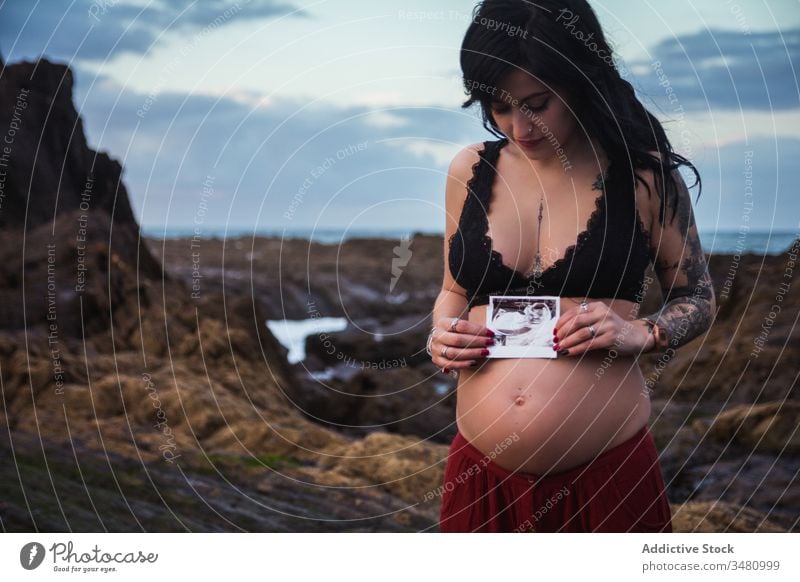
(577, 196)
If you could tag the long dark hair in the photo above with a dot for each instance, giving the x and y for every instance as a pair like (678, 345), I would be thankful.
(561, 43)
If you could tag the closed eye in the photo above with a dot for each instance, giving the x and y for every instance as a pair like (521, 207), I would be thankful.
(528, 107)
(541, 107)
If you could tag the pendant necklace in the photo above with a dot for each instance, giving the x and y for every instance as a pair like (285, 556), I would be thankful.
(536, 271)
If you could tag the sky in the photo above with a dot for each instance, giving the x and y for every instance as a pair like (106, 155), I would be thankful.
(340, 114)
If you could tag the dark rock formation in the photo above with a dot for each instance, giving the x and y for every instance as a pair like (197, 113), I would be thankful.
(70, 250)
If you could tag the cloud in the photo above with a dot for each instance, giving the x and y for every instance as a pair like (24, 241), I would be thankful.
(275, 163)
(748, 186)
(282, 157)
(725, 69)
(86, 30)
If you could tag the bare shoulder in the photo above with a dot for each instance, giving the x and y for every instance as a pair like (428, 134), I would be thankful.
(651, 196)
(459, 174)
(462, 164)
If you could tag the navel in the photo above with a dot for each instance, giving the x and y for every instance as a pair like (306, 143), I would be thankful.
(519, 400)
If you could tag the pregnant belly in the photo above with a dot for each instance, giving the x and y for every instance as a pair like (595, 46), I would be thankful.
(558, 413)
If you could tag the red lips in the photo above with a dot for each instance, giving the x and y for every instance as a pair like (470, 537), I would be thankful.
(530, 144)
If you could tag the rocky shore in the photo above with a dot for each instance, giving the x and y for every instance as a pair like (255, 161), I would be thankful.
(725, 407)
(139, 396)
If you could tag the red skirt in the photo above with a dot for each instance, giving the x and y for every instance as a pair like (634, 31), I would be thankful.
(621, 490)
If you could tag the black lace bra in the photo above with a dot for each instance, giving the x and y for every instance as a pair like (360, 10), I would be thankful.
(608, 260)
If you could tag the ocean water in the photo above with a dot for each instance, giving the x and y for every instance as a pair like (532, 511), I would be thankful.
(721, 242)
(756, 242)
(292, 334)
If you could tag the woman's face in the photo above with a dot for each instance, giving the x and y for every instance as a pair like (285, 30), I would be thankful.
(533, 116)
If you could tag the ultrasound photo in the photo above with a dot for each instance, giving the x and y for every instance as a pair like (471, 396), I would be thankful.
(523, 325)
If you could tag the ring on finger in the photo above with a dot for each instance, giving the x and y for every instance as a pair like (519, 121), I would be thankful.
(453, 324)
(592, 330)
(444, 351)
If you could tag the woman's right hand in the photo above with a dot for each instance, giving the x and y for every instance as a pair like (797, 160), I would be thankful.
(466, 343)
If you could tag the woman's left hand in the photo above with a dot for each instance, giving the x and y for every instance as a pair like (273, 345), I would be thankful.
(611, 331)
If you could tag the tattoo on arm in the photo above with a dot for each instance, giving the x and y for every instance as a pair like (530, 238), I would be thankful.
(688, 309)
(683, 319)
